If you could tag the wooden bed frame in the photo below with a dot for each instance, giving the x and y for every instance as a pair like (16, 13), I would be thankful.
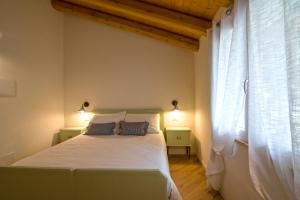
(28, 183)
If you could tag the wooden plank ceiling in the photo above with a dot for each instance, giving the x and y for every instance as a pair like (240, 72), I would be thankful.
(177, 22)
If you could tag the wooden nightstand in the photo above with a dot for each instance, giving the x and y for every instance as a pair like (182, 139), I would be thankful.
(179, 137)
(67, 133)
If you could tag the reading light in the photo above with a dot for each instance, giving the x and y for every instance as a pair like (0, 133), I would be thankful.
(84, 115)
(83, 106)
(175, 104)
(175, 115)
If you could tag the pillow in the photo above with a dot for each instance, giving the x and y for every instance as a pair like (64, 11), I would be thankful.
(133, 128)
(109, 118)
(101, 129)
(153, 119)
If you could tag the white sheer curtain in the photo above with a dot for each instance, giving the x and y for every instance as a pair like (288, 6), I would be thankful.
(228, 97)
(274, 98)
(260, 38)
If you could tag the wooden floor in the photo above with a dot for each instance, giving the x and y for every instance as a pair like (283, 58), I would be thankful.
(189, 176)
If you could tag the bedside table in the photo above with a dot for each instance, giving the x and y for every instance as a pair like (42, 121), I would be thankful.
(179, 137)
(67, 133)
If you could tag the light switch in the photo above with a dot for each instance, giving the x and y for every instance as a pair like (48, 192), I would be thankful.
(8, 88)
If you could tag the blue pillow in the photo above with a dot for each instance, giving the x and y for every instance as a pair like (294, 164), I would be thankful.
(101, 129)
(133, 128)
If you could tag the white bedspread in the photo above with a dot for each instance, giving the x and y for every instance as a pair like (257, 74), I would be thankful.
(128, 152)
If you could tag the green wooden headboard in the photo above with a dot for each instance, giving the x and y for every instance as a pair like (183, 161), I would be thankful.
(134, 111)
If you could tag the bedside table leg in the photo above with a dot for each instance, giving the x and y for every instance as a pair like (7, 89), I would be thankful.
(188, 152)
(167, 150)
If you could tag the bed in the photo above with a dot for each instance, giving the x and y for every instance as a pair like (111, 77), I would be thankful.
(94, 167)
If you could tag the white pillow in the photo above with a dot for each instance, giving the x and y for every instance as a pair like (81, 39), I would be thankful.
(108, 118)
(153, 119)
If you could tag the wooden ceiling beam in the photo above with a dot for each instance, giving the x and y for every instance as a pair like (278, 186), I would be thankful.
(125, 24)
(152, 15)
(199, 8)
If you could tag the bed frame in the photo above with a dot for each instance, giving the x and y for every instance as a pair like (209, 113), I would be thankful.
(135, 111)
(22, 183)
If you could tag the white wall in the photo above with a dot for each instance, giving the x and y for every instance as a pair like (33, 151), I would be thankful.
(202, 99)
(31, 52)
(112, 68)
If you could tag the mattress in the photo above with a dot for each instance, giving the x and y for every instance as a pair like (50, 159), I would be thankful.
(107, 152)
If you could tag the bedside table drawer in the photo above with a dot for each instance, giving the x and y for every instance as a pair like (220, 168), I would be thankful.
(178, 138)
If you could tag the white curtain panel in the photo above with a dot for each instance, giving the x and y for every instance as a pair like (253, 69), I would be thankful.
(274, 98)
(292, 26)
(228, 75)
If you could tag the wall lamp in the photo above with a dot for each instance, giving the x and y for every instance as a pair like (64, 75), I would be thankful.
(175, 114)
(83, 106)
(175, 104)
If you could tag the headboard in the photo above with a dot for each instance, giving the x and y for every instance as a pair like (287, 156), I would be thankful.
(134, 111)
